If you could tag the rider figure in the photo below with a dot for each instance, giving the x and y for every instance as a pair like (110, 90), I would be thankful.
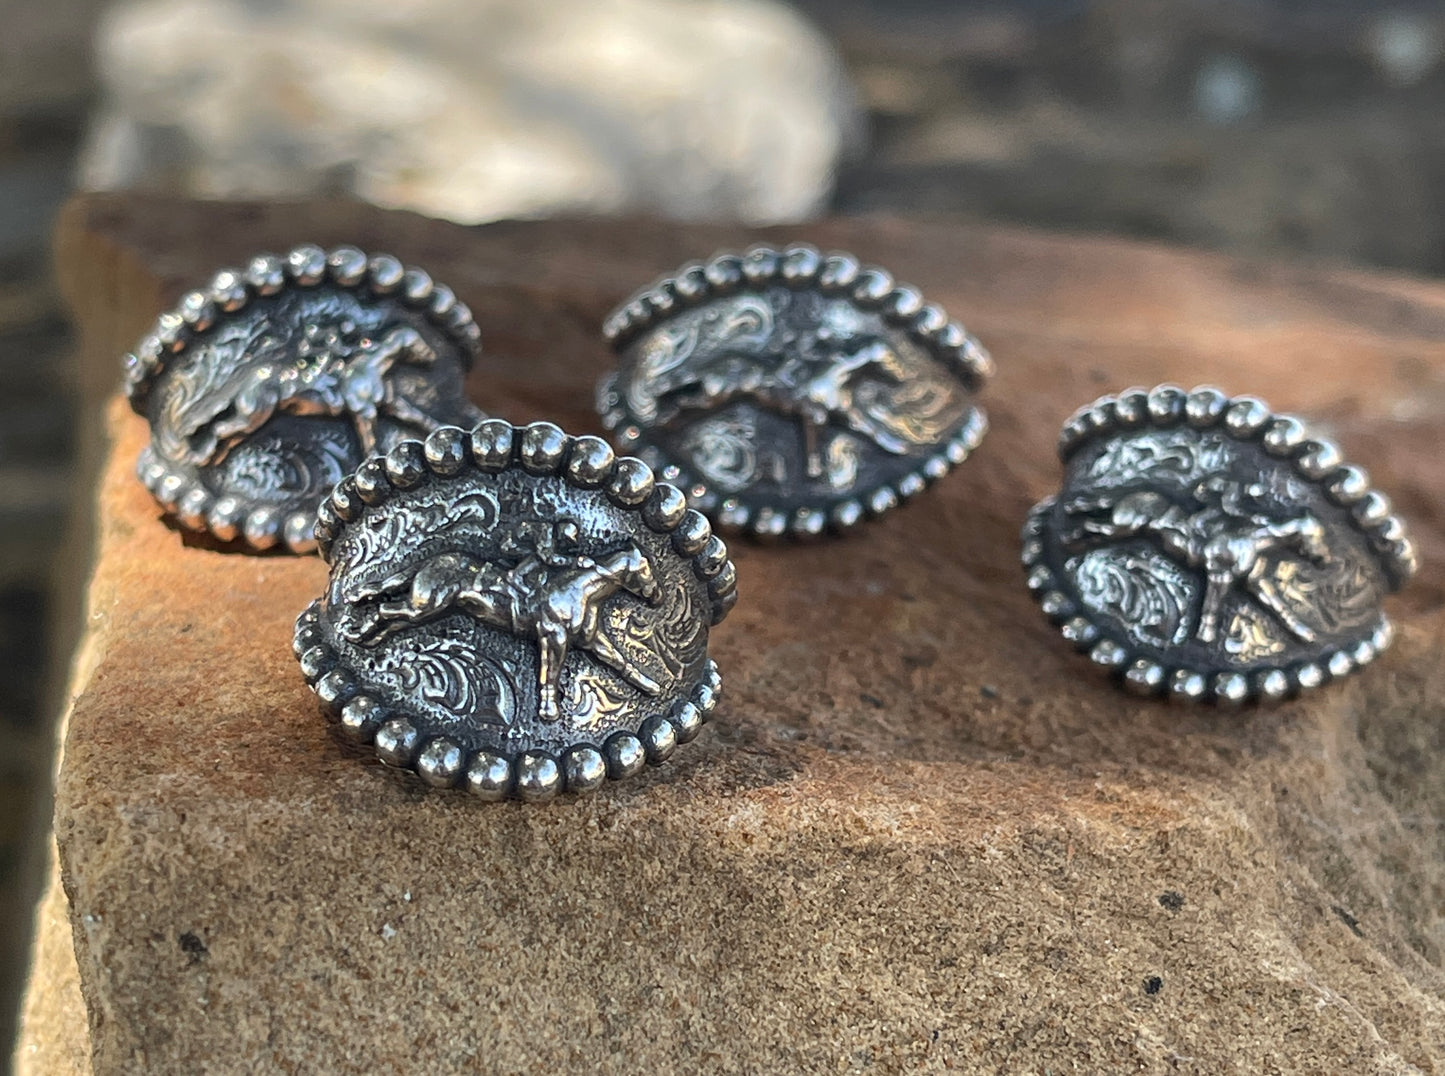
(540, 547)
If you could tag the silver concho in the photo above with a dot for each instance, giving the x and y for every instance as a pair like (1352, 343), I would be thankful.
(1208, 549)
(792, 393)
(515, 610)
(266, 387)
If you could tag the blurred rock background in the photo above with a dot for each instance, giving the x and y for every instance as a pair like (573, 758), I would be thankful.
(1282, 128)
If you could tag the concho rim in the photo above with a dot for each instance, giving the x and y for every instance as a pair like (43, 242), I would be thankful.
(540, 449)
(837, 274)
(304, 266)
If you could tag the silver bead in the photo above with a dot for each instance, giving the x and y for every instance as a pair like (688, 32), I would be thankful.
(396, 742)
(687, 722)
(489, 776)
(583, 769)
(659, 739)
(590, 462)
(542, 448)
(625, 755)
(538, 777)
(492, 444)
(440, 763)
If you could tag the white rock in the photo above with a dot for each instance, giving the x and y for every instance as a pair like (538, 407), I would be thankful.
(475, 109)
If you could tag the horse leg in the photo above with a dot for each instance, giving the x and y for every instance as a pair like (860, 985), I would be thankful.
(1271, 602)
(403, 410)
(1215, 589)
(551, 653)
(393, 616)
(364, 419)
(810, 448)
(606, 652)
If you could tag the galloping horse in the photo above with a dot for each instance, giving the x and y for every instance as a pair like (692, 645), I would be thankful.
(562, 612)
(326, 376)
(815, 394)
(1227, 543)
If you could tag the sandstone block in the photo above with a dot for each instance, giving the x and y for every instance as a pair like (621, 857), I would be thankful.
(921, 835)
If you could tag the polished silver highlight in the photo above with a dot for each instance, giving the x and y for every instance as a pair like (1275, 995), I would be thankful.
(792, 393)
(515, 610)
(1206, 548)
(265, 388)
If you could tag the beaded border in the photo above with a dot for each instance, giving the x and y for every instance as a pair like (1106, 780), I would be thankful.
(231, 291)
(1314, 458)
(837, 274)
(541, 449)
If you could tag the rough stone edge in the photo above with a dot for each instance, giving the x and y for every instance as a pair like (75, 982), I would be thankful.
(53, 1038)
(836, 275)
(541, 449)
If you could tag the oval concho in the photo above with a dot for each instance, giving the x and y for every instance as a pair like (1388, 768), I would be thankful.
(791, 393)
(1205, 547)
(266, 387)
(515, 610)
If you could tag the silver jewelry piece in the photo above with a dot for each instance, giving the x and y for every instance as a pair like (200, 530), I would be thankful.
(266, 387)
(1206, 548)
(515, 610)
(792, 393)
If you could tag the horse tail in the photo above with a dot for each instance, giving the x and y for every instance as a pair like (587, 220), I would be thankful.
(479, 509)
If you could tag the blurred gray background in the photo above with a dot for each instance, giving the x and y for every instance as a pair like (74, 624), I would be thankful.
(1300, 129)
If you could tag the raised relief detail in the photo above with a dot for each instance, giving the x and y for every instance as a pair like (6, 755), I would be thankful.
(1235, 548)
(267, 388)
(744, 352)
(791, 392)
(1204, 547)
(334, 371)
(515, 609)
(546, 595)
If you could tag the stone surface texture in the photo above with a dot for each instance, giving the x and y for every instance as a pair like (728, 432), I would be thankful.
(475, 109)
(920, 836)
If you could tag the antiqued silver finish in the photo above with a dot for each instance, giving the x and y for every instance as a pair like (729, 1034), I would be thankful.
(1209, 549)
(267, 386)
(792, 393)
(515, 610)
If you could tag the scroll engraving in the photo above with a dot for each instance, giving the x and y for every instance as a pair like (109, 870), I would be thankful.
(1233, 546)
(825, 367)
(548, 596)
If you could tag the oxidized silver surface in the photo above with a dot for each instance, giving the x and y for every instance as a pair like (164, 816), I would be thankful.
(792, 393)
(516, 610)
(266, 387)
(1207, 548)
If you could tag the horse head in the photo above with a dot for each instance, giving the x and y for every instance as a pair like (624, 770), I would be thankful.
(399, 344)
(632, 571)
(1311, 539)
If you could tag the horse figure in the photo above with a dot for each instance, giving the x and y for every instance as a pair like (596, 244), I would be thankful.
(1231, 545)
(560, 611)
(327, 376)
(817, 394)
